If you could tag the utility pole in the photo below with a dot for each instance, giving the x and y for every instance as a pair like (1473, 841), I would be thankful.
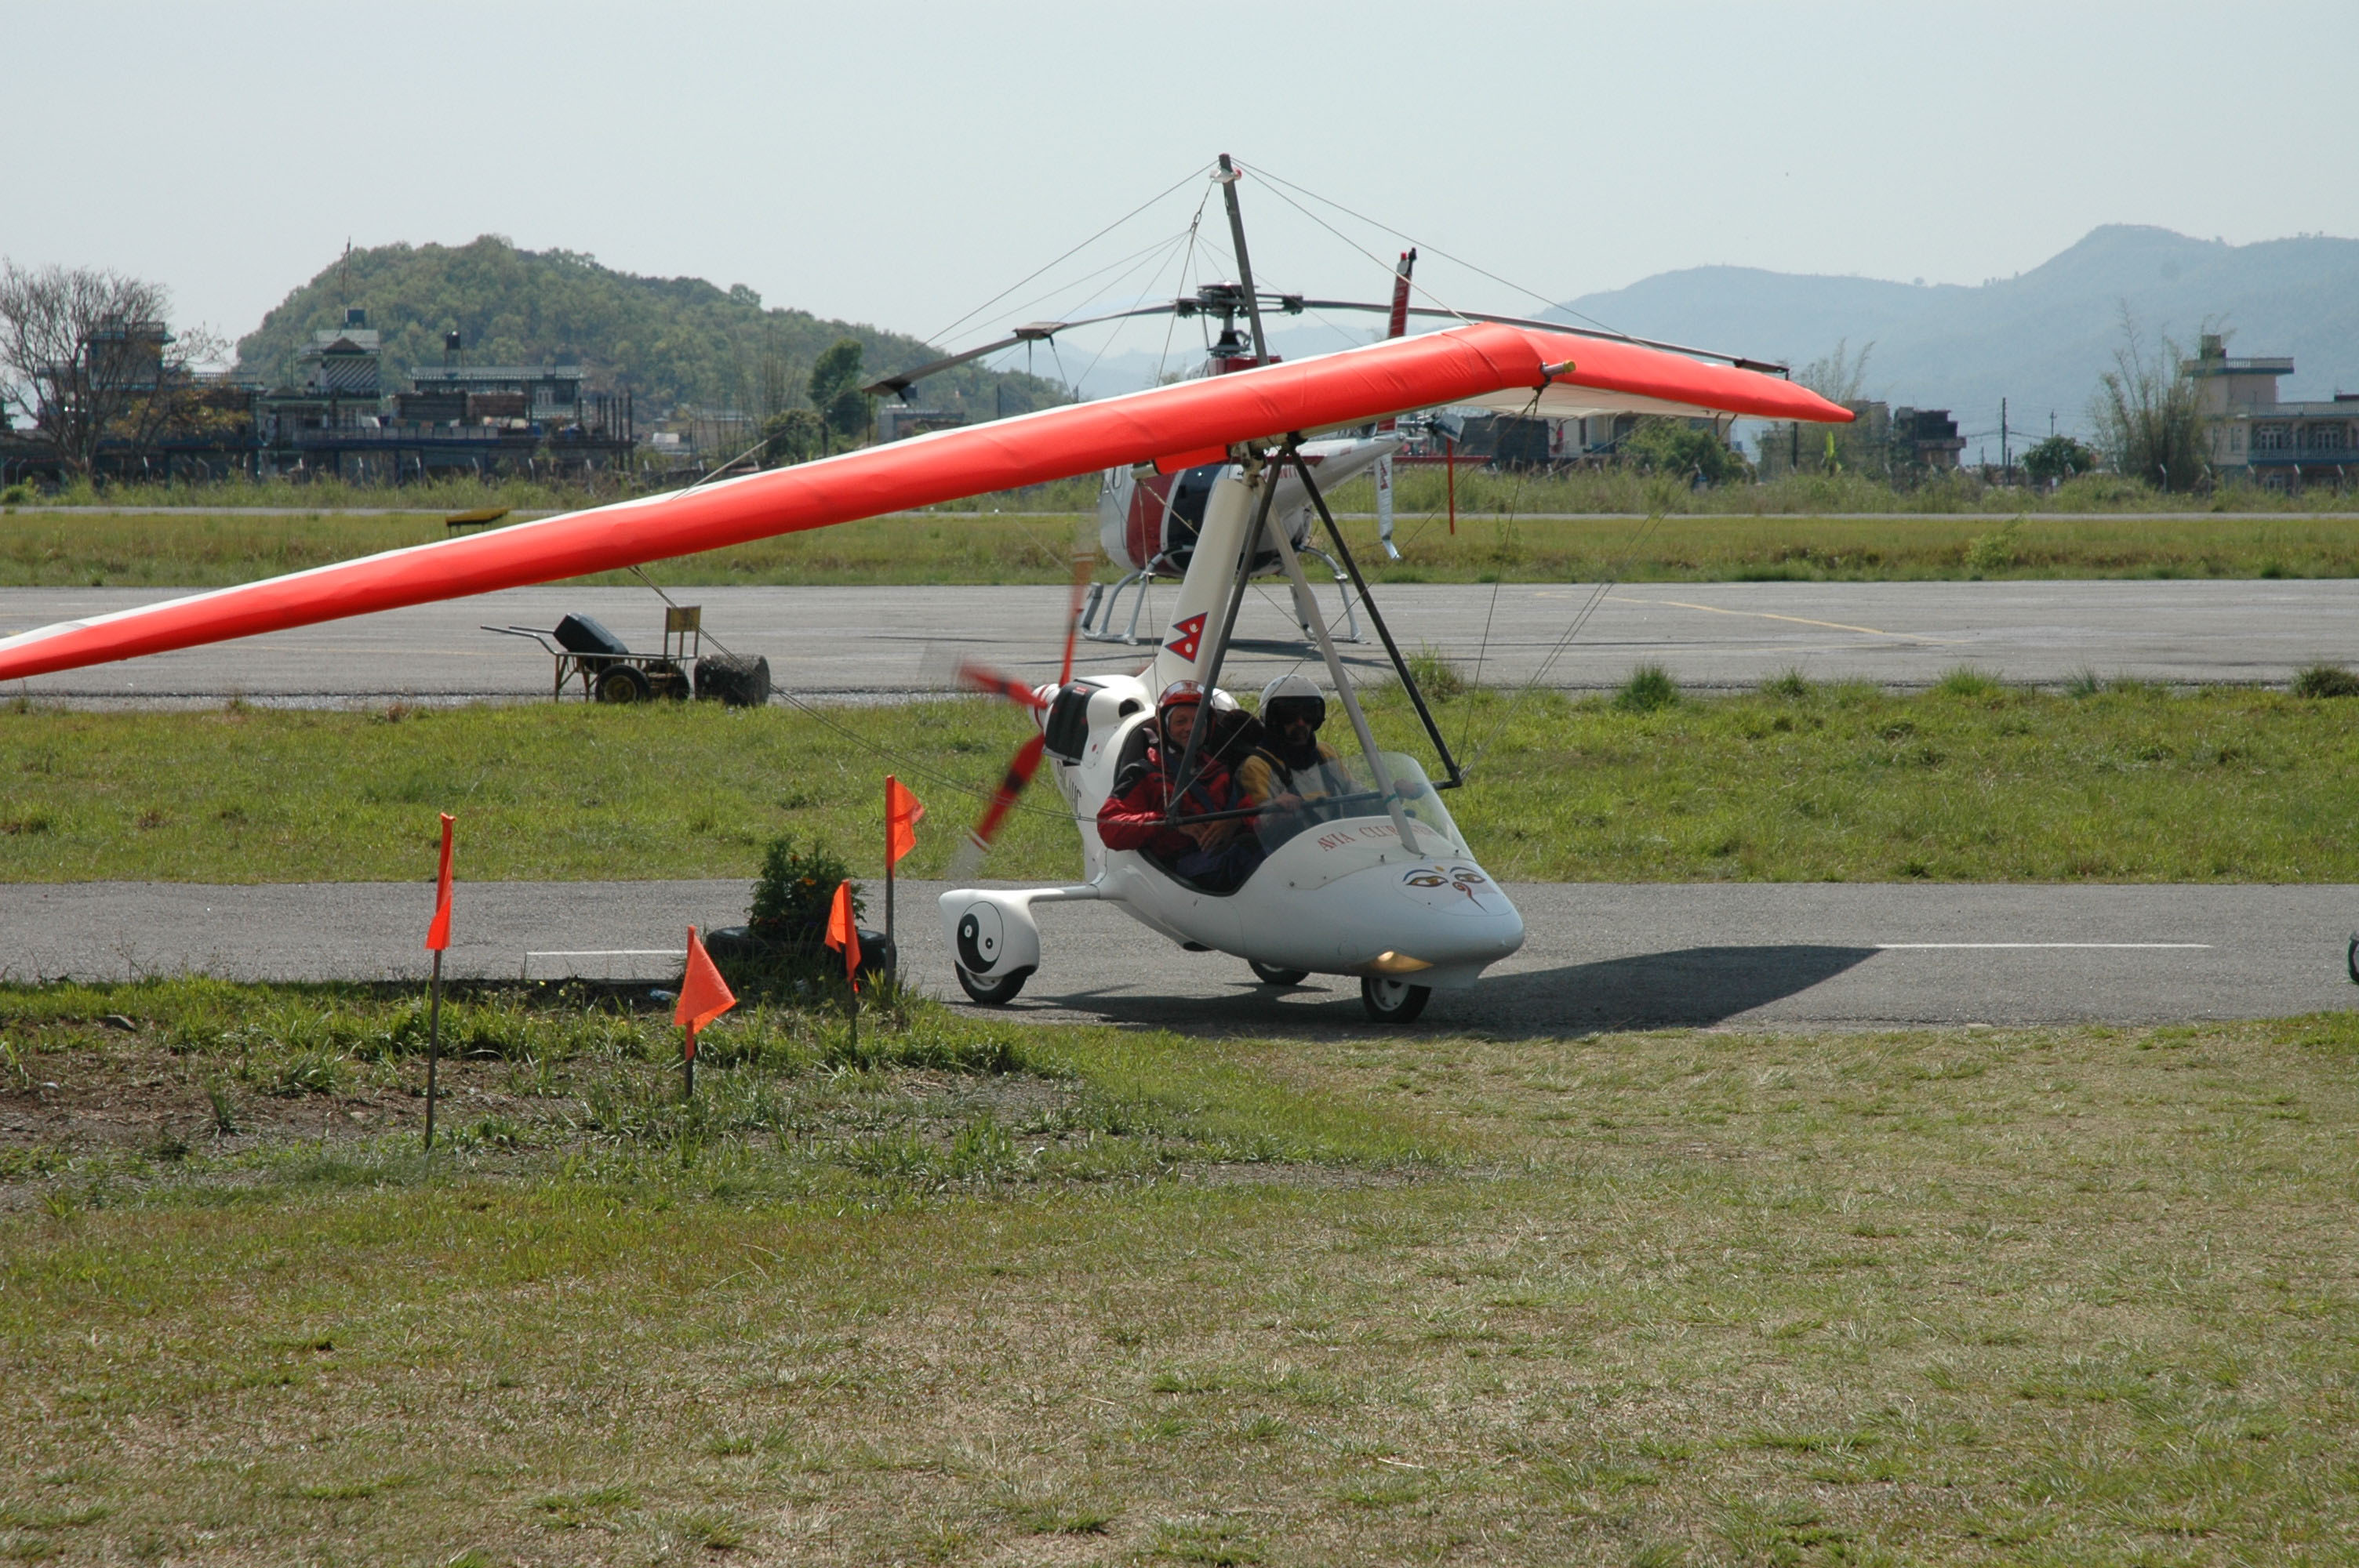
(2006, 460)
(1228, 178)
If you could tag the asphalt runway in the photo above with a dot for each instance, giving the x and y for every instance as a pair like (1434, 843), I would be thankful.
(856, 643)
(1599, 956)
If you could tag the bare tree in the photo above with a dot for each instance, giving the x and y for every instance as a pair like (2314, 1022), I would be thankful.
(86, 357)
(2146, 413)
(1837, 376)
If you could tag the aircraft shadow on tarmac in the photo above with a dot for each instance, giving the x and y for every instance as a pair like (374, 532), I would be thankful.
(1686, 988)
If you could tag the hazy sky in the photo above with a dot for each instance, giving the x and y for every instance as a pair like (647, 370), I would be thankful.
(902, 164)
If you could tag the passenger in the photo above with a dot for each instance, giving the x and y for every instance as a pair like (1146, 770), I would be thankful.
(1292, 770)
(1213, 855)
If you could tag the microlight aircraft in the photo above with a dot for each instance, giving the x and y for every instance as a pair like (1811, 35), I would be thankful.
(1383, 887)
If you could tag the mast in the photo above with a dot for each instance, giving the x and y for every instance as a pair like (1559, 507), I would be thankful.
(1228, 178)
(1396, 324)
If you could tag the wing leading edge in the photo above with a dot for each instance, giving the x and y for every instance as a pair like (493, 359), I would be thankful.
(1465, 364)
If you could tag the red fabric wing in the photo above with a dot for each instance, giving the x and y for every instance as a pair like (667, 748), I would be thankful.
(1307, 395)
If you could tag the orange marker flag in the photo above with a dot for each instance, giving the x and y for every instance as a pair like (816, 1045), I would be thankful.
(704, 994)
(438, 934)
(844, 933)
(903, 812)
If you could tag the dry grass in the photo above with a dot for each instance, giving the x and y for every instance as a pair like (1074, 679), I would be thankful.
(2048, 1296)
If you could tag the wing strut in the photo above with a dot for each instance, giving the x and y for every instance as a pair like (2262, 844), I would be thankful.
(1376, 617)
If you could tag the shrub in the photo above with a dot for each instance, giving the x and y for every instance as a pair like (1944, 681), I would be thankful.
(2326, 680)
(1436, 676)
(1994, 551)
(1793, 686)
(789, 957)
(1968, 681)
(795, 887)
(1650, 687)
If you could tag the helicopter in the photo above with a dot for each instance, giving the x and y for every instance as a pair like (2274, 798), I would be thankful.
(1381, 886)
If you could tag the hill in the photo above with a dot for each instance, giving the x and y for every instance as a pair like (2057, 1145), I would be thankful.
(668, 339)
(2039, 338)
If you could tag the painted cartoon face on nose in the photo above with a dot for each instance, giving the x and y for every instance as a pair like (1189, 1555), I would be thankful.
(1437, 883)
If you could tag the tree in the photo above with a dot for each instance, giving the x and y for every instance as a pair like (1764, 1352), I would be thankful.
(1674, 447)
(2147, 420)
(835, 393)
(86, 357)
(1837, 376)
(792, 436)
(2058, 458)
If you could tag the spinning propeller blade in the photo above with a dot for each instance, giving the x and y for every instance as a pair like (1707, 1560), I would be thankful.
(1020, 769)
(1027, 760)
(991, 683)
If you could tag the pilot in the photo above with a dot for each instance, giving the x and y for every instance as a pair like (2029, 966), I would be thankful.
(1291, 769)
(1212, 855)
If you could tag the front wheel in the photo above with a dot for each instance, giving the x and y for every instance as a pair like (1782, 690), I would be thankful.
(992, 993)
(1393, 1001)
(1273, 975)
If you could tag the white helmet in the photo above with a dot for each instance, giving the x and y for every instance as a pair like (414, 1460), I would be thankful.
(1292, 693)
(1288, 686)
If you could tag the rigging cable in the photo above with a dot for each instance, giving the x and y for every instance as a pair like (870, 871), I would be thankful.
(1093, 239)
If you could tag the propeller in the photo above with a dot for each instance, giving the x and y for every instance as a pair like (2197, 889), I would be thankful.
(1027, 760)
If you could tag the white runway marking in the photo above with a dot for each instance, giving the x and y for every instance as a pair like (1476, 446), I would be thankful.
(1924, 946)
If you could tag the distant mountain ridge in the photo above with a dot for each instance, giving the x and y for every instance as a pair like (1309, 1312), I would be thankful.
(667, 340)
(2042, 339)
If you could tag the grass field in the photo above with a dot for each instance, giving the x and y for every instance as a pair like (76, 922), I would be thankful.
(84, 549)
(1422, 487)
(1079, 1296)
(1968, 782)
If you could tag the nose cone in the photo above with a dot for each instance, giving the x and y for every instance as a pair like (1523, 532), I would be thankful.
(1436, 922)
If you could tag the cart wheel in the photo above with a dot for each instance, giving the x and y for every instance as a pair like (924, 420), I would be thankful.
(992, 993)
(1274, 975)
(624, 682)
(1393, 1001)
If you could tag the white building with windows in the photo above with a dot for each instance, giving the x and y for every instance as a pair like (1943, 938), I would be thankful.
(2252, 435)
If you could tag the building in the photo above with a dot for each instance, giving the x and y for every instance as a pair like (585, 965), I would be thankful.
(2249, 434)
(454, 417)
(1925, 439)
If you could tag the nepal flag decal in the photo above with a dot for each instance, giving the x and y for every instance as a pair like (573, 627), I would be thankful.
(1186, 634)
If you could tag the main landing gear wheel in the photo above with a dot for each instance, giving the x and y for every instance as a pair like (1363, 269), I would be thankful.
(1271, 975)
(1393, 1001)
(992, 993)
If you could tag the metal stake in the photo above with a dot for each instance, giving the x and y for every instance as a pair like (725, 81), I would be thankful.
(433, 1046)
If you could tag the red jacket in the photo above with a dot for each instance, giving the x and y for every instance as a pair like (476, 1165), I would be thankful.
(1132, 816)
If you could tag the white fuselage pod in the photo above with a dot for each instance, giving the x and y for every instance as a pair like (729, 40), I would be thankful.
(1342, 896)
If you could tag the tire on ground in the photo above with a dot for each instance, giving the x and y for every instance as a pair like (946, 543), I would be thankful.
(624, 682)
(733, 679)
